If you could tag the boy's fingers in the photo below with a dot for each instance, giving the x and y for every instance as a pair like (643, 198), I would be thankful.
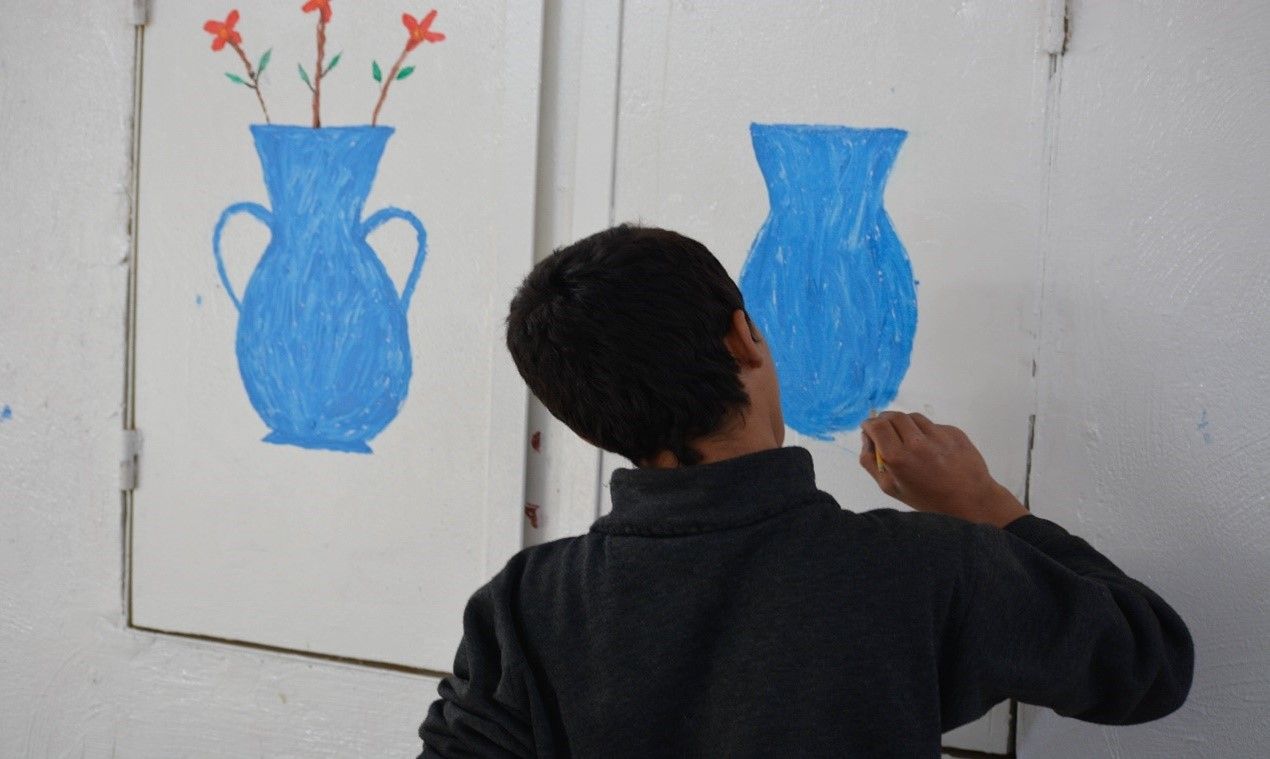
(925, 425)
(885, 438)
(905, 426)
(868, 459)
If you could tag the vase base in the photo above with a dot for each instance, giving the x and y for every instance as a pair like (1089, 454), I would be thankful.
(287, 438)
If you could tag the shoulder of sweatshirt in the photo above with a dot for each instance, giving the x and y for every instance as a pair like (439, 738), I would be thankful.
(935, 528)
(925, 533)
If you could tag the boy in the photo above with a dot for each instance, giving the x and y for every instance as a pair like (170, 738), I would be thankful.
(726, 607)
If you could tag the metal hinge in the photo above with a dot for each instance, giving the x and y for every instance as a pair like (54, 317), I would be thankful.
(1054, 38)
(140, 12)
(129, 460)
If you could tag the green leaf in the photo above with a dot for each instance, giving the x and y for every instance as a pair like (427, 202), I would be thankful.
(375, 72)
(235, 79)
(304, 75)
(264, 62)
(334, 62)
(407, 71)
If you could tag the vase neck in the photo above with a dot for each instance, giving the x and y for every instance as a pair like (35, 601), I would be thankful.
(826, 169)
(319, 176)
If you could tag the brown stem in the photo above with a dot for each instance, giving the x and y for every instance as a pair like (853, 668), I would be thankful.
(251, 74)
(318, 73)
(383, 93)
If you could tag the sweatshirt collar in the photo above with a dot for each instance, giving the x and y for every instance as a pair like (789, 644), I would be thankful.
(706, 497)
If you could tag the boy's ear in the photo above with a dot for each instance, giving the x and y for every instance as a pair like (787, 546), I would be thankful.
(743, 340)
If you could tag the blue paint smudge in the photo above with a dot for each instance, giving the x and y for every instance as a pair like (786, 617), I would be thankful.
(198, 300)
(827, 279)
(1203, 425)
(323, 347)
(6, 413)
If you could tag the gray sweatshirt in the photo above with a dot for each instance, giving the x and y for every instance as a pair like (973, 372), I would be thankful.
(733, 610)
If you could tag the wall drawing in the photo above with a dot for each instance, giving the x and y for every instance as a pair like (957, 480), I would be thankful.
(827, 279)
(322, 342)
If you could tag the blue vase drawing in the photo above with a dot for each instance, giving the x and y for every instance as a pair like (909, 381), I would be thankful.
(827, 280)
(322, 343)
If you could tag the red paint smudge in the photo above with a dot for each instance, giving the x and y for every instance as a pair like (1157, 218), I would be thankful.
(531, 512)
(536, 441)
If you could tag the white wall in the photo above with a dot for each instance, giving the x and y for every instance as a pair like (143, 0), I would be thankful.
(74, 681)
(1153, 371)
(1153, 430)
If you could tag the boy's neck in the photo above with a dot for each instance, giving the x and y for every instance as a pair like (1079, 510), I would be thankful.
(748, 439)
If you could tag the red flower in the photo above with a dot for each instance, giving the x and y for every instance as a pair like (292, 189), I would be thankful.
(319, 5)
(223, 31)
(420, 30)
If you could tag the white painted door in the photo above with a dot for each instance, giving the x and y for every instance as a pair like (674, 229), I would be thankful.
(966, 82)
(334, 448)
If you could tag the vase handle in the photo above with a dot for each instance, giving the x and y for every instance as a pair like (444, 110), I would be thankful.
(377, 219)
(255, 209)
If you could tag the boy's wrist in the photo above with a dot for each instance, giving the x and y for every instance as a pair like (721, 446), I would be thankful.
(999, 507)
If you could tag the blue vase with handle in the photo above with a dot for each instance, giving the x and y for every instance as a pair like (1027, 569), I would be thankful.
(827, 280)
(323, 348)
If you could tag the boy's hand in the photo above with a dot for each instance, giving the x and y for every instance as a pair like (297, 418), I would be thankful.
(934, 467)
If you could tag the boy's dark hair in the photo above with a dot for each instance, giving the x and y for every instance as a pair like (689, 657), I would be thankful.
(620, 335)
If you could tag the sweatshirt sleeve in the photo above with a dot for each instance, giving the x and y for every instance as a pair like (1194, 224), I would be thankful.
(483, 708)
(1044, 618)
